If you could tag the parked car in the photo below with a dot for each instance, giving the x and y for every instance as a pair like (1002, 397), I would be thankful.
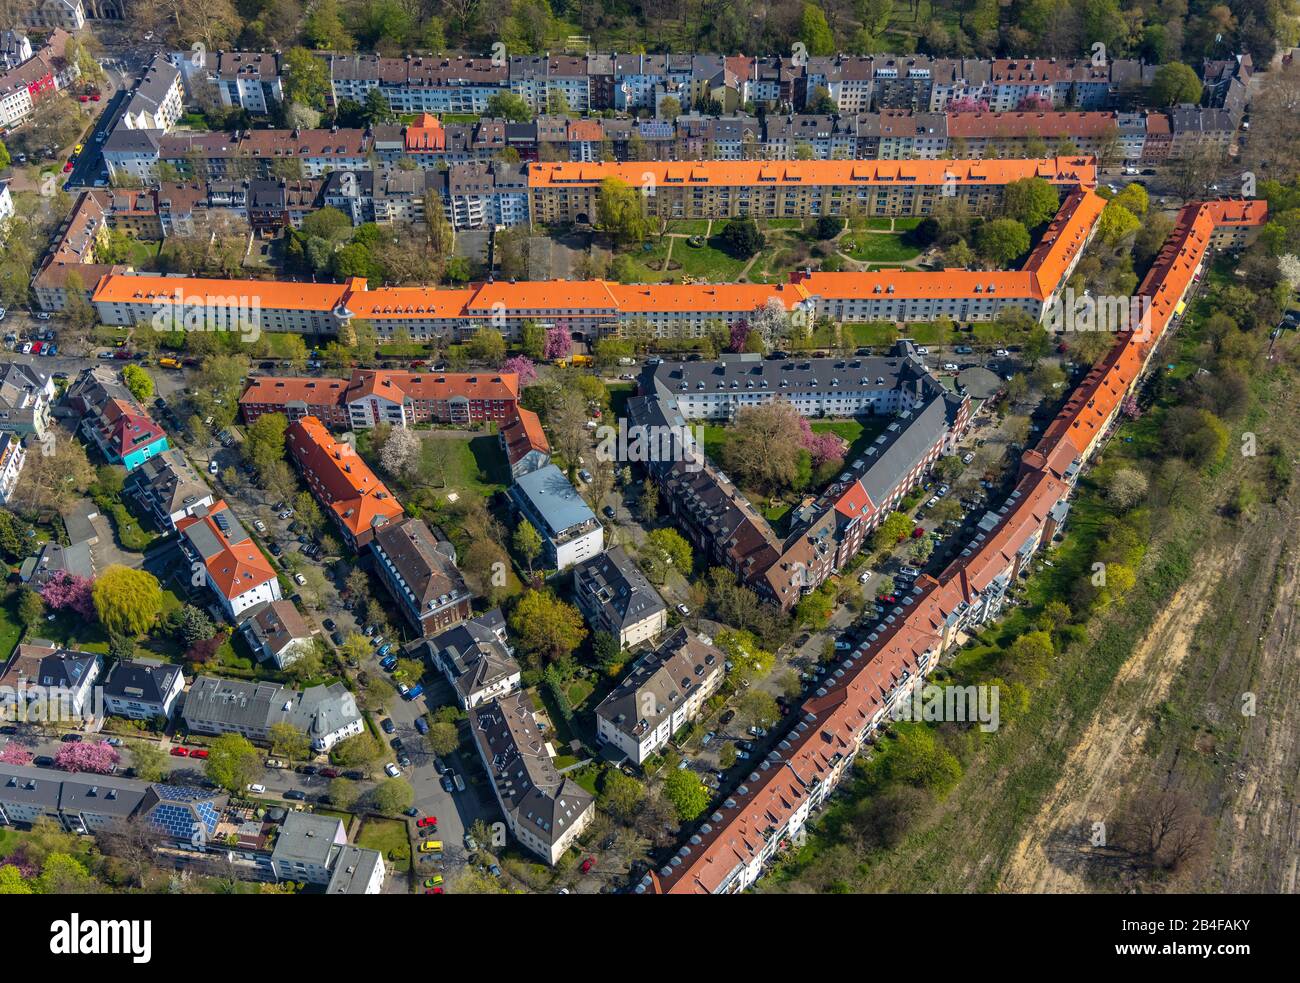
(257, 788)
(392, 771)
(198, 752)
(180, 752)
(427, 822)
(387, 726)
(296, 795)
(421, 725)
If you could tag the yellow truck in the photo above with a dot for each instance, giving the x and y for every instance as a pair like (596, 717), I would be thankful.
(169, 363)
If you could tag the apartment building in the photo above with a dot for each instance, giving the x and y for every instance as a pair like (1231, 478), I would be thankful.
(71, 262)
(142, 689)
(419, 84)
(13, 455)
(475, 658)
(524, 443)
(348, 491)
(26, 396)
(565, 193)
(249, 80)
(419, 570)
(123, 432)
(306, 848)
(545, 811)
(615, 597)
(479, 196)
(569, 529)
(158, 100)
(296, 397)
(277, 633)
(64, 679)
(69, 15)
(326, 714)
(404, 399)
(663, 692)
(234, 567)
(168, 488)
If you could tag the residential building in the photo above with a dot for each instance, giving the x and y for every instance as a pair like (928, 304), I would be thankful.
(142, 689)
(545, 811)
(615, 597)
(168, 488)
(402, 399)
(524, 443)
(123, 432)
(663, 692)
(307, 847)
(70, 15)
(348, 491)
(26, 395)
(76, 560)
(357, 870)
(277, 633)
(234, 567)
(419, 570)
(62, 679)
(476, 659)
(569, 529)
(158, 100)
(13, 455)
(326, 714)
(296, 398)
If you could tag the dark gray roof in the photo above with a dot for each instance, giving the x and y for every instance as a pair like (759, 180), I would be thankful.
(616, 585)
(353, 868)
(473, 653)
(144, 681)
(662, 679)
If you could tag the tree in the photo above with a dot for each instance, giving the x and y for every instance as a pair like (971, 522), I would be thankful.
(527, 542)
(814, 32)
(532, 340)
(63, 874)
(443, 737)
(127, 601)
(1116, 223)
(758, 708)
(897, 526)
(687, 793)
(547, 627)
(401, 453)
(605, 650)
(148, 761)
(50, 482)
(393, 795)
(741, 238)
(360, 751)
(666, 549)
(94, 757)
(765, 446)
(193, 626)
(621, 212)
(1175, 83)
(726, 755)
(486, 345)
(139, 382)
(30, 608)
(233, 763)
(648, 503)
(1030, 655)
(287, 741)
(1030, 201)
(622, 796)
(1002, 241)
(1125, 488)
(306, 78)
(509, 106)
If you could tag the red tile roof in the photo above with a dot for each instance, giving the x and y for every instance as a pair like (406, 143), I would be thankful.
(342, 481)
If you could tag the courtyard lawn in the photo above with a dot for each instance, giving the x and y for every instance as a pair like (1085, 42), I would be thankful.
(706, 262)
(689, 226)
(390, 838)
(71, 630)
(476, 465)
(873, 333)
(873, 247)
(787, 224)
(858, 432)
(10, 629)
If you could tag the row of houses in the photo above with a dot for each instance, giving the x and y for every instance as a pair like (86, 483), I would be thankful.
(737, 840)
(34, 76)
(596, 82)
(194, 825)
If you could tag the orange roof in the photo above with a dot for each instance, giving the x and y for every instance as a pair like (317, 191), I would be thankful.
(1065, 238)
(129, 288)
(288, 389)
(407, 302)
(1059, 170)
(707, 297)
(426, 135)
(238, 566)
(919, 284)
(542, 295)
(343, 481)
(438, 386)
(523, 435)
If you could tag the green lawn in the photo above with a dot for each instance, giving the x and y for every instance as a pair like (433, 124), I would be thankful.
(10, 629)
(689, 226)
(781, 223)
(873, 247)
(390, 838)
(477, 466)
(858, 432)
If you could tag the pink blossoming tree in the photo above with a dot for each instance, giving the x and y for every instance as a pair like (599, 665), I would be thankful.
(523, 367)
(66, 591)
(558, 343)
(92, 756)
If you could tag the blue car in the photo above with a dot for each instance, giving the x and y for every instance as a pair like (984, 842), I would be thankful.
(414, 691)
(383, 651)
(421, 725)
(389, 663)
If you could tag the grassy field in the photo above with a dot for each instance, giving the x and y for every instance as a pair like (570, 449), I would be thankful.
(875, 247)
(389, 837)
(476, 467)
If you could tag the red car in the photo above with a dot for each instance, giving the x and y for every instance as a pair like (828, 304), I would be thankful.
(180, 752)
(94, 97)
(427, 821)
(329, 773)
(588, 864)
(918, 532)
(67, 167)
(198, 752)
(433, 890)
(83, 98)
(887, 598)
